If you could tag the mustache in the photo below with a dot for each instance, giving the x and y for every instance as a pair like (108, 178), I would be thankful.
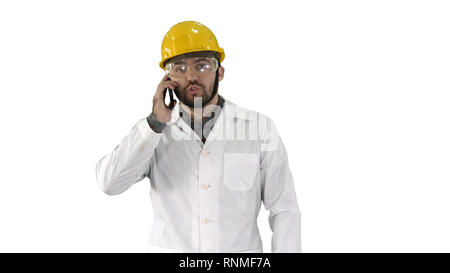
(193, 84)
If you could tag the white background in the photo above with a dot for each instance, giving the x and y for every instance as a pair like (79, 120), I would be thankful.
(358, 90)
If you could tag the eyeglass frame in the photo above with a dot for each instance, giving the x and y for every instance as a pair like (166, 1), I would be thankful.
(169, 64)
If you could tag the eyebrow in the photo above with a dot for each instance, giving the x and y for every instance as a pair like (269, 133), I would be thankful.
(200, 59)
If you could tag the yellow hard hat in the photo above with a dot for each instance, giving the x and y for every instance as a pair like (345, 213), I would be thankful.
(186, 37)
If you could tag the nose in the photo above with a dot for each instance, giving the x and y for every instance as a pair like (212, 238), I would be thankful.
(191, 74)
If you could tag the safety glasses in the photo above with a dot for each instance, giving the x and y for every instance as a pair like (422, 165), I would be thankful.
(201, 65)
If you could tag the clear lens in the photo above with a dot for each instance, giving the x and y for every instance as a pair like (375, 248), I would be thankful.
(200, 65)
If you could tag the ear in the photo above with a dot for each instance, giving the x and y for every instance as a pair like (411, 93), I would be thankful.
(221, 73)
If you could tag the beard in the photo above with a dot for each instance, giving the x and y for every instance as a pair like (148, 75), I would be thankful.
(189, 99)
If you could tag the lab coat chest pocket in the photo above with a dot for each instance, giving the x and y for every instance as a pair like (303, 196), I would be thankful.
(240, 170)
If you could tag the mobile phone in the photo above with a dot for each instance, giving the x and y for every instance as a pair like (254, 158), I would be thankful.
(172, 102)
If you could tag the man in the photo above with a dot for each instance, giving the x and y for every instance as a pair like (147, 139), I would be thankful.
(210, 162)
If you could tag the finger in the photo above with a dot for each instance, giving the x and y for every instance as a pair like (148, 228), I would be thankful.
(171, 86)
(159, 95)
(161, 90)
(165, 78)
(168, 84)
(162, 86)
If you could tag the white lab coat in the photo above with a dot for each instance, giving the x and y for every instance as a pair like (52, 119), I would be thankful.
(206, 197)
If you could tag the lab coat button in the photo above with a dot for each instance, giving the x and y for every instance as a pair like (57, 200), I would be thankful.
(205, 187)
(206, 220)
(205, 153)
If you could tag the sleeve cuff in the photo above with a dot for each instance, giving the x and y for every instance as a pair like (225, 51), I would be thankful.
(155, 124)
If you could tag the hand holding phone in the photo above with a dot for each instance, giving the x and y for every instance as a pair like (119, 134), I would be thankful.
(162, 111)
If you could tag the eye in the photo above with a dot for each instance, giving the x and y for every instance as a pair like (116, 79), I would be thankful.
(203, 66)
(179, 68)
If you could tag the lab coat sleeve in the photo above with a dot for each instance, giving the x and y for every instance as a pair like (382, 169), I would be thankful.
(128, 162)
(278, 193)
